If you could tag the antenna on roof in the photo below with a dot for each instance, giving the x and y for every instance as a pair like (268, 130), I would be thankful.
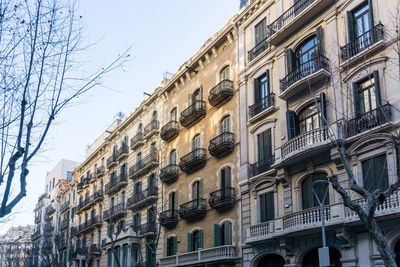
(146, 94)
(167, 75)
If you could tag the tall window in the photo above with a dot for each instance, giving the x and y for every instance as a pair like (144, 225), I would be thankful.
(308, 198)
(226, 178)
(367, 94)
(375, 173)
(267, 208)
(260, 31)
(151, 215)
(195, 240)
(174, 115)
(151, 180)
(307, 51)
(172, 157)
(140, 128)
(171, 245)
(173, 201)
(223, 234)
(154, 116)
(224, 74)
(139, 157)
(136, 221)
(261, 89)
(225, 124)
(361, 20)
(197, 95)
(196, 190)
(264, 146)
(196, 142)
(309, 119)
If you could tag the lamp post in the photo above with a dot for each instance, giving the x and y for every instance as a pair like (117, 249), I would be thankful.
(323, 252)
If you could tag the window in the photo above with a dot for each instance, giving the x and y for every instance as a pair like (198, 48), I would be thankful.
(69, 176)
(197, 95)
(361, 21)
(225, 124)
(154, 116)
(151, 180)
(138, 157)
(197, 190)
(125, 255)
(264, 146)
(308, 198)
(174, 114)
(223, 234)
(54, 181)
(309, 119)
(153, 147)
(196, 142)
(261, 90)
(123, 198)
(375, 173)
(172, 157)
(195, 240)
(149, 257)
(367, 94)
(260, 31)
(151, 215)
(308, 50)
(173, 201)
(138, 188)
(109, 258)
(224, 74)
(136, 221)
(267, 208)
(140, 128)
(171, 246)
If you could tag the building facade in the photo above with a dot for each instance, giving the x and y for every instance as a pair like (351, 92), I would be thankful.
(16, 247)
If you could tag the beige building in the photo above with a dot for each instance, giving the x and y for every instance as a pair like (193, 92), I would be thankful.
(311, 73)
(16, 247)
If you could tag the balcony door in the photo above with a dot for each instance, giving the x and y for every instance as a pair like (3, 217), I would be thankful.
(260, 31)
(196, 144)
(267, 207)
(264, 145)
(367, 94)
(173, 201)
(174, 115)
(308, 198)
(151, 216)
(172, 157)
(225, 124)
(261, 92)
(151, 180)
(196, 96)
(196, 191)
(224, 74)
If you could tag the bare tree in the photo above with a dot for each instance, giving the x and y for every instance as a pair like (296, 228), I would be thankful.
(40, 74)
(113, 234)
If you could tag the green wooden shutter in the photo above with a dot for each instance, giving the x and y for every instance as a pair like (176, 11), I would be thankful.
(350, 25)
(228, 177)
(292, 124)
(263, 211)
(201, 188)
(307, 194)
(322, 105)
(290, 60)
(260, 146)
(370, 14)
(201, 92)
(377, 88)
(190, 242)
(267, 144)
(217, 235)
(267, 82)
(320, 38)
(356, 98)
(175, 245)
(270, 206)
(257, 95)
(228, 233)
(200, 238)
(190, 99)
(169, 248)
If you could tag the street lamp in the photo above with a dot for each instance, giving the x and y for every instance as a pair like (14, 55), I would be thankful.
(323, 252)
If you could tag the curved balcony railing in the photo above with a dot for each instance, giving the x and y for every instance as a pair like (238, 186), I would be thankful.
(50, 210)
(114, 212)
(222, 198)
(137, 140)
(143, 198)
(147, 229)
(112, 161)
(169, 218)
(222, 145)
(193, 161)
(169, 174)
(122, 152)
(65, 206)
(100, 171)
(193, 113)
(152, 127)
(261, 166)
(98, 195)
(144, 165)
(169, 131)
(304, 70)
(193, 209)
(221, 93)
(116, 183)
(362, 42)
(258, 49)
(262, 105)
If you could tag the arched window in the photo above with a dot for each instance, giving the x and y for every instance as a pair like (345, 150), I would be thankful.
(172, 157)
(197, 95)
(154, 116)
(307, 50)
(195, 240)
(173, 201)
(140, 128)
(225, 177)
(308, 198)
(223, 234)
(171, 245)
(309, 119)
(225, 124)
(196, 142)
(174, 115)
(224, 74)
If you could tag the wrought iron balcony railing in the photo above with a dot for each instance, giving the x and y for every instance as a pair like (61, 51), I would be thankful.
(115, 212)
(169, 174)
(48, 227)
(143, 198)
(137, 140)
(193, 113)
(112, 161)
(98, 195)
(362, 42)
(222, 198)
(304, 70)
(35, 235)
(193, 161)
(169, 131)
(193, 209)
(100, 171)
(116, 183)
(85, 204)
(147, 229)
(258, 49)
(80, 185)
(38, 218)
(369, 120)
(151, 128)
(144, 165)
(262, 105)
(261, 166)
(65, 206)
(64, 224)
(169, 218)
(221, 93)
(222, 145)
(122, 152)
(50, 210)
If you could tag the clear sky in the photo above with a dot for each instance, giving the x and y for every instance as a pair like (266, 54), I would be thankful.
(164, 34)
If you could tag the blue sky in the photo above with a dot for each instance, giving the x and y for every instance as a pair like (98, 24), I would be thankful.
(163, 33)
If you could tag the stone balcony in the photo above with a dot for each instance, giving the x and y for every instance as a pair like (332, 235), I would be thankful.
(221, 93)
(144, 165)
(223, 198)
(169, 218)
(169, 174)
(169, 131)
(222, 254)
(222, 145)
(334, 214)
(122, 152)
(115, 212)
(112, 161)
(193, 209)
(137, 141)
(116, 183)
(294, 18)
(193, 113)
(151, 129)
(193, 161)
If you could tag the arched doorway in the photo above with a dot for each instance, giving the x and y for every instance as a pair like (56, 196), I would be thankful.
(271, 260)
(311, 258)
(397, 252)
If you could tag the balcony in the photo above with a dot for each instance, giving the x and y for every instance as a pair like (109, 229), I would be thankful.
(98, 196)
(193, 209)
(193, 161)
(295, 18)
(261, 166)
(223, 198)
(222, 145)
(115, 184)
(50, 210)
(169, 174)
(79, 186)
(64, 224)
(65, 206)
(193, 113)
(94, 250)
(144, 198)
(38, 218)
(169, 131)
(221, 93)
(257, 50)
(112, 161)
(151, 129)
(35, 235)
(367, 121)
(222, 254)
(100, 171)
(122, 152)
(262, 107)
(309, 73)
(137, 141)
(64, 243)
(115, 212)
(86, 181)
(90, 224)
(85, 204)
(362, 46)
(169, 218)
(146, 164)
(147, 229)
(48, 229)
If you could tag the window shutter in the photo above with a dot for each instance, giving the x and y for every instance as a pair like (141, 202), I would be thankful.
(200, 238)
(228, 177)
(228, 234)
(260, 144)
(268, 83)
(175, 245)
(292, 124)
(290, 60)
(263, 214)
(169, 252)
(320, 38)
(377, 88)
(200, 188)
(307, 194)
(217, 235)
(201, 92)
(256, 84)
(322, 105)
(267, 144)
(350, 25)
(190, 242)
(176, 201)
(370, 14)
(190, 99)
(270, 206)
(357, 110)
